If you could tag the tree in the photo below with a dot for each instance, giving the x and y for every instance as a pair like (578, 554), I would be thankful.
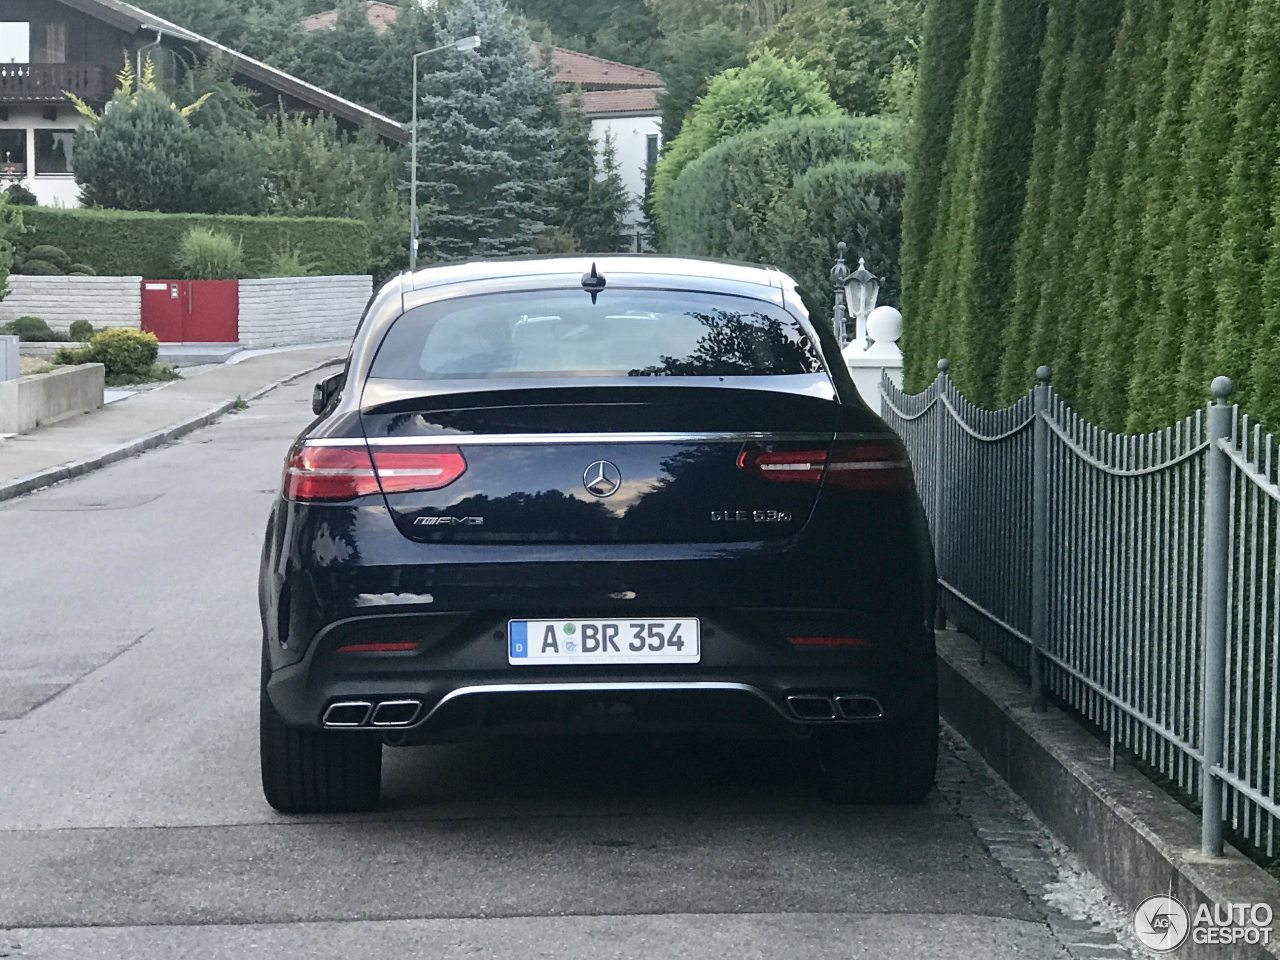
(624, 30)
(11, 228)
(852, 44)
(487, 120)
(741, 99)
(1110, 227)
(676, 17)
(575, 175)
(981, 198)
(603, 225)
(689, 61)
(944, 57)
(138, 154)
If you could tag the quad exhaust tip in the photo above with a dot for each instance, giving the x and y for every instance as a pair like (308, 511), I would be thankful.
(395, 713)
(348, 714)
(856, 707)
(814, 707)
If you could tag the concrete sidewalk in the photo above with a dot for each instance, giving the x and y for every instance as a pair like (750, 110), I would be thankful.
(80, 444)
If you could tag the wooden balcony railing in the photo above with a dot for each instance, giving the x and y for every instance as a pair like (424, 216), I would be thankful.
(50, 82)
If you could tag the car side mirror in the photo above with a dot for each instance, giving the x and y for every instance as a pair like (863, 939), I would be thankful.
(326, 391)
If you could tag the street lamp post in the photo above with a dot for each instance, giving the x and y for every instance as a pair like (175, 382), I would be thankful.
(840, 276)
(466, 43)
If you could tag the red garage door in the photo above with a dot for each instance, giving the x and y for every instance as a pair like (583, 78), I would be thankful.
(192, 311)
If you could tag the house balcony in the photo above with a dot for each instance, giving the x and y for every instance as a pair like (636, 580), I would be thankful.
(51, 82)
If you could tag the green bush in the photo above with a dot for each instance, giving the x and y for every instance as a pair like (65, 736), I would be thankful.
(721, 205)
(31, 330)
(20, 196)
(73, 356)
(857, 202)
(35, 267)
(81, 331)
(115, 243)
(740, 99)
(290, 261)
(54, 255)
(81, 270)
(205, 254)
(124, 351)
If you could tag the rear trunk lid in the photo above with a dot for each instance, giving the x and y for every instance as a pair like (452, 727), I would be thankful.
(595, 464)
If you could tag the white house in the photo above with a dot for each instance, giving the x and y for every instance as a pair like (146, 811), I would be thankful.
(51, 47)
(623, 101)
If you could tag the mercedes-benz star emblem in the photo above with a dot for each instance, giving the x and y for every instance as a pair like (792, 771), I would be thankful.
(602, 479)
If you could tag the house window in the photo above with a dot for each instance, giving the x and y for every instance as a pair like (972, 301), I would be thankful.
(54, 48)
(651, 150)
(15, 41)
(55, 150)
(13, 152)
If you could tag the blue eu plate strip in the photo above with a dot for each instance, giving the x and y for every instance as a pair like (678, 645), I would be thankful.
(519, 637)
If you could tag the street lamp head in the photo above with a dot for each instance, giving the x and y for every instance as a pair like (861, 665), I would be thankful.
(861, 291)
(467, 43)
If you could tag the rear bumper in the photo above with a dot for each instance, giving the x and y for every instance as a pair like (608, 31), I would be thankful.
(458, 684)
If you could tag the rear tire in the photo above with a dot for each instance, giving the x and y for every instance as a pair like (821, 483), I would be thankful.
(889, 763)
(315, 771)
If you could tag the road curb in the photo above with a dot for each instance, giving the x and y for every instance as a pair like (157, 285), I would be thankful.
(1126, 830)
(77, 468)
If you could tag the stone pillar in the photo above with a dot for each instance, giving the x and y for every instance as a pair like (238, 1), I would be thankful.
(868, 359)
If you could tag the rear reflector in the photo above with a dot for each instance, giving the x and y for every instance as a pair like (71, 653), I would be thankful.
(850, 465)
(336, 474)
(377, 647)
(827, 642)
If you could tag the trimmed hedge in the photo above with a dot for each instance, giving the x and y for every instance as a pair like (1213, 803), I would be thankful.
(721, 205)
(1142, 225)
(857, 202)
(119, 243)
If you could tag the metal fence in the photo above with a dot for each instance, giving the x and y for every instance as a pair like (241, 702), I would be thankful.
(1134, 578)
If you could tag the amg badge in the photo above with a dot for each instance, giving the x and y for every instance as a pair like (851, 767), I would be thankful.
(449, 522)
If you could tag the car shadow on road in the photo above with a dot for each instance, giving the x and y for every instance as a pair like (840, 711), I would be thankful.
(577, 774)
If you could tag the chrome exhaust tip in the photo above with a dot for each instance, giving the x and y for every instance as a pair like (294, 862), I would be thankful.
(855, 706)
(396, 713)
(347, 713)
(808, 706)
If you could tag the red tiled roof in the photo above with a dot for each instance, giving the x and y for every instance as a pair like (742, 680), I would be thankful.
(573, 69)
(381, 17)
(583, 70)
(607, 103)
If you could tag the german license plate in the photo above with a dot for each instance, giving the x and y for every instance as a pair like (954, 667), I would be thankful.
(602, 641)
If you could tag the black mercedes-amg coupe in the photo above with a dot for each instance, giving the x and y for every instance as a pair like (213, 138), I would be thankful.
(594, 496)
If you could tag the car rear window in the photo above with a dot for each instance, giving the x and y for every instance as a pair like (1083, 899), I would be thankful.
(625, 333)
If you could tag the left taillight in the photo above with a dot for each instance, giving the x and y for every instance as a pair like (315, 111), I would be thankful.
(335, 474)
(862, 465)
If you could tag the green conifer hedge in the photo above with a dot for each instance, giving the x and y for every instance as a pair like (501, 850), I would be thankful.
(1095, 185)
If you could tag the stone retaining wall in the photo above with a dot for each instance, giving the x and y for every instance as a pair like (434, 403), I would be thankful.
(103, 301)
(278, 312)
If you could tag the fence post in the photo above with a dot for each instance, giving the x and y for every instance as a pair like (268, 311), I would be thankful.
(1039, 533)
(939, 471)
(1217, 550)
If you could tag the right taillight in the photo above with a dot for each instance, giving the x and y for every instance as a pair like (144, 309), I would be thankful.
(336, 474)
(862, 465)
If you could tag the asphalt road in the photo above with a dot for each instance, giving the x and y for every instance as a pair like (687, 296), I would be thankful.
(132, 824)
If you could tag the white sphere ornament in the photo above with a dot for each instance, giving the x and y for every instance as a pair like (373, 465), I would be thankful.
(884, 325)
